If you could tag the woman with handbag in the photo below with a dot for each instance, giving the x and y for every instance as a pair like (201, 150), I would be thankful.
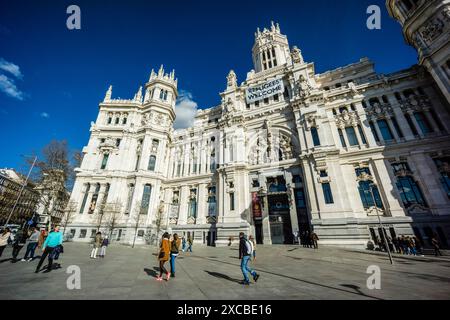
(163, 256)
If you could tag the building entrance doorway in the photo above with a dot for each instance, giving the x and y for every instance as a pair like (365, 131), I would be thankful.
(280, 219)
(211, 239)
(259, 232)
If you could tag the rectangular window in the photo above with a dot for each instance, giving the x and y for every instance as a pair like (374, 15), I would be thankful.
(232, 201)
(151, 163)
(423, 122)
(117, 120)
(93, 232)
(83, 233)
(351, 136)
(327, 193)
(136, 167)
(109, 120)
(124, 121)
(276, 98)
(104, 161)
(384, 129)
(145, 203)
(118, 142)
(315, 136)
(300, 201)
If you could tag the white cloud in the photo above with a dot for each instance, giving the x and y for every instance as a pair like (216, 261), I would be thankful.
(8, 86)
(11, 68)
(185, 110)
(7, 83)
(45, 115)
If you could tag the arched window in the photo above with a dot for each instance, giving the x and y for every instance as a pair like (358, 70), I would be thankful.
(145, 203)
(104, 161)
(368, 192)
(94, 199)
(83, 204)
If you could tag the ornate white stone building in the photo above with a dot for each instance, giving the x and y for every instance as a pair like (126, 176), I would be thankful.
(287, 149)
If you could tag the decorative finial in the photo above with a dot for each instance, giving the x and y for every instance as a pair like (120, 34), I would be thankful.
(108, 94)
(231, 80)
(161, 71)
(138, 96)
(272, 26)
(277, 26)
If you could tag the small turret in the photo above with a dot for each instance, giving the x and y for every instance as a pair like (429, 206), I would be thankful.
(108, 94)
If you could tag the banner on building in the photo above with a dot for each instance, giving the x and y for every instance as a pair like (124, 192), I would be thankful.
(265, 90)
(212, 209)
(256, 206)
(173, 211)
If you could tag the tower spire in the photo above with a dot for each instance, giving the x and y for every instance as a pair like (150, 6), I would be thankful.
(108, 94)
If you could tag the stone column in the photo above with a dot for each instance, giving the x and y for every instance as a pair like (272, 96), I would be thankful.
(400, 117)
(392, 128)
(183, 210)
(415, 123)
(202, 203)
(434, 126)
(292, 204)
(100, 197)
(358, 136)
(377, 129)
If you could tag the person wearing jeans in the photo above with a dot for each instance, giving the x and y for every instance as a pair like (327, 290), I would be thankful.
(245, 254)
(32, 244)
(53, 240)
(174, 251)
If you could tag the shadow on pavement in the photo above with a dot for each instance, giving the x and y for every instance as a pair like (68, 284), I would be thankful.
(151, 273)
(222, 276)
(287, 277)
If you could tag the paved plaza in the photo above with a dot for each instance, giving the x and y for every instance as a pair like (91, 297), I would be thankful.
(287, 272)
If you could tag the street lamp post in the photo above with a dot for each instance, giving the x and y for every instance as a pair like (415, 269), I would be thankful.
(21, 190)
(381, 225)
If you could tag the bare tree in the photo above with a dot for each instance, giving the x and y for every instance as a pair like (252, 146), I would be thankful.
(69, 214)
(158, 220)
(139, 219)
(113, 212)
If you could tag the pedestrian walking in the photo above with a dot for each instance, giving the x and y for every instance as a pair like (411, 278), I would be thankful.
(4, 236)
(96, 245)
(163, 256)
(252, 240)
(245, 253)
(395, 242)
(436, 245)
(174, 251)
(53, 240)
(412, 246)
(189, 242)
(18, 243)
(105, 243)
(183, 241)
(32, 245)
(314, 239)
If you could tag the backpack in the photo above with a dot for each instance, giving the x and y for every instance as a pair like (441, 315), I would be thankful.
(249, 247)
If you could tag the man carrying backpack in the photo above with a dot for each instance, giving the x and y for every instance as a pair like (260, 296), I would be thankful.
(245, 254)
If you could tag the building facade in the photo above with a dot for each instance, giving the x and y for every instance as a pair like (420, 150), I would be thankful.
(11, 185)
(287, 150)
(426, 26)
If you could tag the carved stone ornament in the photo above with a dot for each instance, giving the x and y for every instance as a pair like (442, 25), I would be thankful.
(346, 119)
(231, 80)
(211, 219)
(296, 55)
(432, 30)
(173, 220)
(191, 220)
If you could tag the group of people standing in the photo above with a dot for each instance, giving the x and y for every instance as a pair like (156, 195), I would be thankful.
(169, 248)
(99, 243)
(408, 245)
(307, 239)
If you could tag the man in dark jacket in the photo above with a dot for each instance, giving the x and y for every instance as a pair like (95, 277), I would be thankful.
(245, 254)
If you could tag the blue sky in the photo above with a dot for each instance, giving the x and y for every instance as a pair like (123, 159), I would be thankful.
(52, 78)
